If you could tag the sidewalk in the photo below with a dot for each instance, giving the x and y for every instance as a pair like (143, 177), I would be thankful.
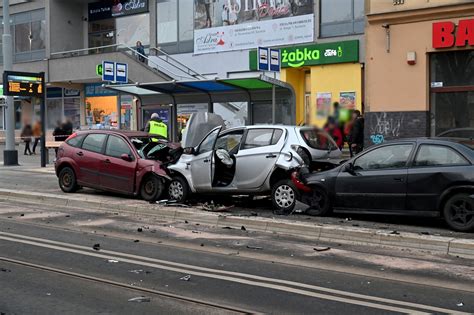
(28, 160)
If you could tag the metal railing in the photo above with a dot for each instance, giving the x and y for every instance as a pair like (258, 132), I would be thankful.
(165, 57)
(121, 48)
(177, 64)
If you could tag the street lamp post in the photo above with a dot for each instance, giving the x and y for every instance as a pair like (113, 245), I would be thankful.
(10, 154)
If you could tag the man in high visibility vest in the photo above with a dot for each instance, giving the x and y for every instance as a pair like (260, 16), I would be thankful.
(156, 126)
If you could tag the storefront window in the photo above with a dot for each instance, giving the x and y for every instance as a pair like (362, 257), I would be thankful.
(342, 17)
(72, 111)
(101, 112)
(54, 112)
(133, 28)
(452, 96)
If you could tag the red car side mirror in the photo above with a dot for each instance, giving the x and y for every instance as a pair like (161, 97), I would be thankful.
(126, 157)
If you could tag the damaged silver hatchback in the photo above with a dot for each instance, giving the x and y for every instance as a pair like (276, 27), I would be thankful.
(247, 160)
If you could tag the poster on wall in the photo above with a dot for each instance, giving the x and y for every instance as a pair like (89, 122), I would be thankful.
(347, 100)
(323, 104)
(225, 25)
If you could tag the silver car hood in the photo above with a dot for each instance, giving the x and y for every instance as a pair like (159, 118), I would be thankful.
(198, 126)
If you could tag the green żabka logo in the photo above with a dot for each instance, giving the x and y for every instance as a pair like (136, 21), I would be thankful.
(298, 57)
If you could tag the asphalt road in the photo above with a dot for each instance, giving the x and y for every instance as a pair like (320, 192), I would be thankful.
(32, 178)
(48, 266)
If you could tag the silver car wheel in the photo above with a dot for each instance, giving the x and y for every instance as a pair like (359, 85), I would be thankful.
(284, 196)
(176, 190)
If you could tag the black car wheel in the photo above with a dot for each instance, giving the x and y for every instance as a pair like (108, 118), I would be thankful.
(284, 197)
(67, 180)
(459, 212)
(318, 202)
(178, 189)
(152, 188)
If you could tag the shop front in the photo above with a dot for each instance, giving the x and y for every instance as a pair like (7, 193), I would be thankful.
(420, 72)
(101, 107)
(322, 74)
(118, 22)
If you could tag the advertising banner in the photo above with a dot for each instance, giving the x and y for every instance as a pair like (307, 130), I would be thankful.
(347, 100)
(107, 9)
(224, 25)
(323, 104)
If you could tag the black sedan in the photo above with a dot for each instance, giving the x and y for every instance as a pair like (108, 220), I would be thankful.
(423, 177)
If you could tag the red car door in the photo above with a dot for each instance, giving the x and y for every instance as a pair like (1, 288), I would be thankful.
(88, 158)
(117, 167)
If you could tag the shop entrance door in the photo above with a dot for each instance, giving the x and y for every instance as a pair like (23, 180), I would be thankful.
(452, 91)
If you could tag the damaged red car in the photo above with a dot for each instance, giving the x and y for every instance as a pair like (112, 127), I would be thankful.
(130, 163)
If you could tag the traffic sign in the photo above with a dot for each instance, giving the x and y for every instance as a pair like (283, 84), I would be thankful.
(121, 72)
(108, 71)
(23, 83)
(113, 71)
(263, 64)
(275, 60)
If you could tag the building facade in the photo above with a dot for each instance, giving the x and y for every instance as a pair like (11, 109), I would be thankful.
(186, 40)
(420, 68)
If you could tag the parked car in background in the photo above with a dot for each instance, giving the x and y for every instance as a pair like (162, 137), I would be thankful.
(423, 177)
(465, 133)
(249, 160)
(129, 163)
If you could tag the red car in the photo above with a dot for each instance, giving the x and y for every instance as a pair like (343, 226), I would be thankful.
(130, 163)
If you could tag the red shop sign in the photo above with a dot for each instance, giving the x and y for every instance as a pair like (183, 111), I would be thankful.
(446, 34)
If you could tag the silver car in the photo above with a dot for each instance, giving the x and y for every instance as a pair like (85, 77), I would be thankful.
(249, 160)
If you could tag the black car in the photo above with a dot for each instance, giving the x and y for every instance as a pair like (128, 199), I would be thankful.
(423, 177)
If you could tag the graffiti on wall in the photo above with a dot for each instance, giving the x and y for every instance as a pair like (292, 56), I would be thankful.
(377, 139)
(384, 126)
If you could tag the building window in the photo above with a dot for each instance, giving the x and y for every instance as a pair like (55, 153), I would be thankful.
(452, 90)
(28, 30)
(175, 25)
(133, 28)
(342, 17)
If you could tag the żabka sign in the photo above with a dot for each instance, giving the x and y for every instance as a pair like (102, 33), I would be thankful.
(446, 34)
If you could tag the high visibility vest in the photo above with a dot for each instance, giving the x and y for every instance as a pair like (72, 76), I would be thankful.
(158, 128)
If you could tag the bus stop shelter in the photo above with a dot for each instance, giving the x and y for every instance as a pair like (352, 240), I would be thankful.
(252, 90)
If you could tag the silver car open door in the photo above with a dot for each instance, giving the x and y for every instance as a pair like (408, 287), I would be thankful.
(201, 163)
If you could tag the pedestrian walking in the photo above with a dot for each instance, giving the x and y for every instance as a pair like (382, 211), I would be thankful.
(36, 134)
(356, 136)
(140, 51)
(155, 126)
(26, 135)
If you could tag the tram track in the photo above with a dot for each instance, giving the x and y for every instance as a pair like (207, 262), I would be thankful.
(148, 291)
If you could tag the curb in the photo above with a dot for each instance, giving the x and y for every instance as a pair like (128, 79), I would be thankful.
(318, 232)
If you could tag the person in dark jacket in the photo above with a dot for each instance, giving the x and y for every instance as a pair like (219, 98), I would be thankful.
(26, 135)
(140, 51)
(356, 136)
